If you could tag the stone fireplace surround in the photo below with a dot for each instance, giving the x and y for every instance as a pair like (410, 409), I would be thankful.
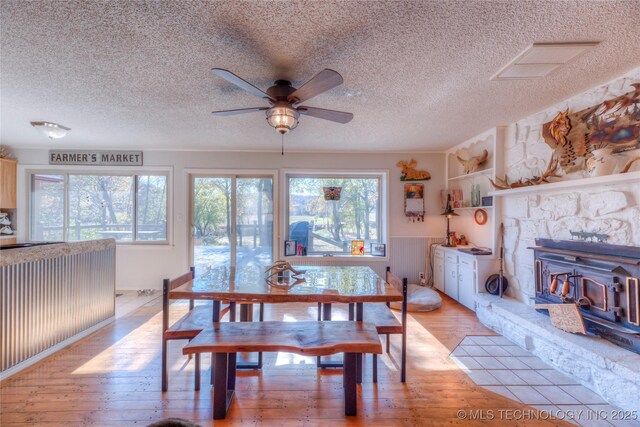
(608, 208)
(613, 209)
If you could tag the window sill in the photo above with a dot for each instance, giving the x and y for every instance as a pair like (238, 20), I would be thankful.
(163, 243)
(338, 258)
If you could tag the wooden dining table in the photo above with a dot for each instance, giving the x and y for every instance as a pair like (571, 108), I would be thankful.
(324, 285)
(318, 284)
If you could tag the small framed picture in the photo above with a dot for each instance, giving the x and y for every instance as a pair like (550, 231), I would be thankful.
(378, 249)
(290, 248)
(357, 247)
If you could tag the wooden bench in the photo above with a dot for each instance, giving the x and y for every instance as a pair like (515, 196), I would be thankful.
(387, 323)
(304, 338)
(187, 327)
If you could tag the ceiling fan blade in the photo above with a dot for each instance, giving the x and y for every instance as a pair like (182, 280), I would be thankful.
(321, 82)
(223, 113)
(321, 113)
(243, 84)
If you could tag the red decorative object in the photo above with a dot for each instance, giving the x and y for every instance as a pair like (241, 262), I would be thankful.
(480, 216)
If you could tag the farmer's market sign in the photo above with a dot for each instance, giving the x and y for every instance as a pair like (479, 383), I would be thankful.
(95, 158)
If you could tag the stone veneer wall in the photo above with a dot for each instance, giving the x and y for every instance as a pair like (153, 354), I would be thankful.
(612, 210)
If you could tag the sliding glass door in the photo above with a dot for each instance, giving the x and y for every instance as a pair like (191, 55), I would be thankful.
(232, 221)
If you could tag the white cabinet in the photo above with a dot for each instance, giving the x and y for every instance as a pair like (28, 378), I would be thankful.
(438, 271)
(451, 275)
(461, 275)
(467, 282)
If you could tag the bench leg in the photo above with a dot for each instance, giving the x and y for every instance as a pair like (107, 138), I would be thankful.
(319, 319)
(359, 318)
(324, 313)
(232, 311)
(375, 368)
(388, 344)
(215, 317)
(349, 375)
(220, 386)
(231, 373)
(403, 357)
(246, 315)
(164, 365)
(213, 368)
(261, 319)
(246, 312)
(197, 374)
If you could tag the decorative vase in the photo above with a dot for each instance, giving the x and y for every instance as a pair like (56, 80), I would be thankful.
(475, 195)
(601, 163)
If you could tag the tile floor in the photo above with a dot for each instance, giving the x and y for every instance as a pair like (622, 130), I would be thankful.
(498, 365)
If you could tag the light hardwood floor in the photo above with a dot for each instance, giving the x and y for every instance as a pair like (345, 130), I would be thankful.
(112, 378)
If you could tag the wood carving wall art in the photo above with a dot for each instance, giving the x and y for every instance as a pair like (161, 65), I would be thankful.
(614, 123)
(550, 172)
(409, 172)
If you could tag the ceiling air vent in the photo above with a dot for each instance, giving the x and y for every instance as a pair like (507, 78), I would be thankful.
(540, 59)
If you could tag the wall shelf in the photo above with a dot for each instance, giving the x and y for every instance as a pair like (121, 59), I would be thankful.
(469, 208)
(488, 171)
(492, 140)
(570, 183)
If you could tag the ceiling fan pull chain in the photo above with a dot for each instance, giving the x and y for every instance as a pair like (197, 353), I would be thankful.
(282, 136)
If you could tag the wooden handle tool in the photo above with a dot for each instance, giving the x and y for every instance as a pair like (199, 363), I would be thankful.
(566, 286)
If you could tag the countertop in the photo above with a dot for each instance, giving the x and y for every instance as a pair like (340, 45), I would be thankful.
(35, 253)
(454, 250)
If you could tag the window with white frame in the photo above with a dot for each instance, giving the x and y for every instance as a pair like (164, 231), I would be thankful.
(324, 223)
(83, 206)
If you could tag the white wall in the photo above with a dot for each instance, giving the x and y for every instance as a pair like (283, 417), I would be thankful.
(141, 266)
(612, 209)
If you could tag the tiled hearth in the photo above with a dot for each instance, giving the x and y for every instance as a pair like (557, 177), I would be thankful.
(498, 365)
(609, 370)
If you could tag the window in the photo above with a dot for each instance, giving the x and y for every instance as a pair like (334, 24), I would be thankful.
(323, 226)
(73, 207)
(232, 221)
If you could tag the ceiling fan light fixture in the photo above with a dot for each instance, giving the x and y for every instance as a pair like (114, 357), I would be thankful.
(282, 119)
(51, 130)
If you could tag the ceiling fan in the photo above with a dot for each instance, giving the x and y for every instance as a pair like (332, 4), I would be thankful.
(285, 100)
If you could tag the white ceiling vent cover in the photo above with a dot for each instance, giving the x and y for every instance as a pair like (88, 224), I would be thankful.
(540, 59)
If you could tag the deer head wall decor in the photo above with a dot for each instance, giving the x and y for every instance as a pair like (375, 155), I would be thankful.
(473, 163)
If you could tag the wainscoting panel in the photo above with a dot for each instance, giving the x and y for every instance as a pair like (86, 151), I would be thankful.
(408, 256)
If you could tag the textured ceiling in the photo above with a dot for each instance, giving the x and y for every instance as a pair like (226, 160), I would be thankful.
(138, 75)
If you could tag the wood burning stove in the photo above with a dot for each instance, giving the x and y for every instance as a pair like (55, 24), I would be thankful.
(601, 279)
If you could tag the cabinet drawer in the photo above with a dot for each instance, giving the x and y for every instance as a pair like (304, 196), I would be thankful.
(451, 258)
(468, 263)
